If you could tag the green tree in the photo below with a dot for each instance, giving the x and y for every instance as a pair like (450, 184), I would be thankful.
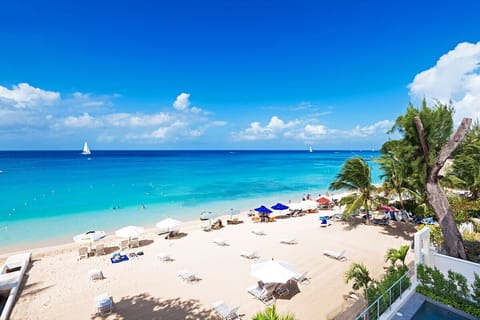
(270, 313)
(466, 169)
(358, 273)
(355, 175)
(426, 145)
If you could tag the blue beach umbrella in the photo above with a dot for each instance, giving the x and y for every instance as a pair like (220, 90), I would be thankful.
(263, 209)
(279, 206)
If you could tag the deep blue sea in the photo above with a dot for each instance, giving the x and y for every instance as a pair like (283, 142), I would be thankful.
(48, 196)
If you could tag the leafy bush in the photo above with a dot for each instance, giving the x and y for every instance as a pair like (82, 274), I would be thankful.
(452, 290)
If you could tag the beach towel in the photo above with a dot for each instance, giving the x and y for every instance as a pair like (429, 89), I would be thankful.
(117, 259)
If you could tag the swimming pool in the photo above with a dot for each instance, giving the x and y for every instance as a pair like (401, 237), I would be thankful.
(433, 311)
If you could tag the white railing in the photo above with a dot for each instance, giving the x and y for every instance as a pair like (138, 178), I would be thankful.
(385, 301)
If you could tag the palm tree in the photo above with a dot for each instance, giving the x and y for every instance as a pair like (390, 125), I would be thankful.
(355, 175)
(361, 277)
(395, 255)
(271, 314)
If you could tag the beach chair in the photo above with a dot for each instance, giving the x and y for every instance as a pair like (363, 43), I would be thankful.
(258, 232)
(95, 274)
(225, 311)
(122, 245)
(288, 241)
(249, 254)
(187, 276)
(82, 253)
(302, 278)
(262, 294)
(340, 256)
(134, 243)
(99, 249)
(164, 257)
(281, 291)
(220, 242)
(325, 223)
(103, 304)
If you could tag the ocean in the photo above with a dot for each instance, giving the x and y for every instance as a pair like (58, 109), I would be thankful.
(49, 196)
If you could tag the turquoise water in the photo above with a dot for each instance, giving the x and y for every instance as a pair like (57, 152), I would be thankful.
(48, 195)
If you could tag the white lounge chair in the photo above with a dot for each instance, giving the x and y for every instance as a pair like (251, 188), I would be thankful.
(11, 276)
(99, 249)
(288, 241)
(134, 243)
(258, 232)
(262, 294)
(187, 276)
(103, 304)
(249, 254)
(340, 256)
(122, 245)
(302, 278)
(82, 253)
(225, 311)
(220, 242)
(164, 257)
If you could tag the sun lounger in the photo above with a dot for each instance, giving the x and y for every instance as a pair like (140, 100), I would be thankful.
(99, 249)
(11, 276)
(134, 243)
(122, 245)
(302, 278)
(288, 241)
(82, 253)
(282, 291)
(103, 304)
(249, 254)
(225, 311)
(220, 242)
(262, 294)
(258, 232)
(164, 257)
(187, 276)
(336, 255)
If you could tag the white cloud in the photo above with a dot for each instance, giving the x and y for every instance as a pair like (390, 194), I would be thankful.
(136, 120)
(366, 131)
(24, 95)
(182, 101)
(271, 131)
(83, 121)
(456, 77)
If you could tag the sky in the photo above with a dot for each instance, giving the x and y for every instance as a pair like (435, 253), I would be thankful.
(229, 74)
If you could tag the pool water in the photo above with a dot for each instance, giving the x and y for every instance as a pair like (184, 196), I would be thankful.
(431, 311)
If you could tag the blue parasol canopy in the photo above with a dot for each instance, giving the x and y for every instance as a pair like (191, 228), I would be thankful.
(263, 209)
(279, 206)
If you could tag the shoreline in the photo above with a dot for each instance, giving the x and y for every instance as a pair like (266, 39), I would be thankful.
(151, 217)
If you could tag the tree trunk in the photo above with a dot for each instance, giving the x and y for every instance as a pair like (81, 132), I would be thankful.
(436, 197)
(452, 237)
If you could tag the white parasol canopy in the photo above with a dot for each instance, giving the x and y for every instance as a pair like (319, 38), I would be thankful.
(309, 205)
(89, 237)
(273, 271)
(168, 224)
(129, 232)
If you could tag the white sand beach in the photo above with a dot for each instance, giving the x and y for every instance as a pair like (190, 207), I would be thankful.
(57, 286)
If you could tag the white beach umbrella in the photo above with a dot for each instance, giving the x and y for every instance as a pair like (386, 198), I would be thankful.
(295, 206)
(273, 271)
(168, 224)
(89, 237)
(129, 232)
(308, 205)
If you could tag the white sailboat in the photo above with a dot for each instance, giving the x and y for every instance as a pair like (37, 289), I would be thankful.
(310, 150)
(86, 149)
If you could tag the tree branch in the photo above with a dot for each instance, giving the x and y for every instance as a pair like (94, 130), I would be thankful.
(452, 144)
(421, 136)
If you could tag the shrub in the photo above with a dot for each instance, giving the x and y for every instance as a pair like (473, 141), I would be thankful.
(452, 290)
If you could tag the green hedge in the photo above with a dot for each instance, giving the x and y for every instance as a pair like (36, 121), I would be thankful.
(452, 290)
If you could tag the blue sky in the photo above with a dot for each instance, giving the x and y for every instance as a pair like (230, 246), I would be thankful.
(229, 74)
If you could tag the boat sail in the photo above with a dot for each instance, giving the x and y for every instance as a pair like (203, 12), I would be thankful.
(86, 149)
(310, 150)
